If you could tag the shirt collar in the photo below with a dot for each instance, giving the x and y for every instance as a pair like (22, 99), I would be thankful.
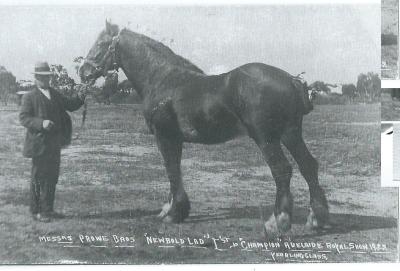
(45, 92)
(43, 89)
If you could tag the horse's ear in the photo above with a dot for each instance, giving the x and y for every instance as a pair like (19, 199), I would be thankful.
(108, 26)
(111, 29)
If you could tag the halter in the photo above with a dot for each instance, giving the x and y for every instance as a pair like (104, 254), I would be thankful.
(111, 51)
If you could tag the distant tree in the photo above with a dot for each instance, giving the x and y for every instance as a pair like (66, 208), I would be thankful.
(369, 86)
(125, 87)
(350, 91)
(376, 86)
(23, 86)
(110, 86)
(61, 81)
(320, 86)
(8, 85)
(126, 94)
(108, 89)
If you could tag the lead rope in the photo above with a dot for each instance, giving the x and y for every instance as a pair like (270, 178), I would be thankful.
(84, 111)
(111, 50)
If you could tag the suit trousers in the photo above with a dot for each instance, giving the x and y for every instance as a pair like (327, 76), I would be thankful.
(44, 178)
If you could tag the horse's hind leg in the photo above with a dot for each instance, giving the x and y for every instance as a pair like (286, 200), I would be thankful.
(177, 209)
(282, 172)
(308, 165)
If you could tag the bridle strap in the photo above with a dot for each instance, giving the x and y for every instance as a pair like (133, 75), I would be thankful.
(111, 51)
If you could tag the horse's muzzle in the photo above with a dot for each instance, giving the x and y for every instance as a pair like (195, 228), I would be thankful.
(88, 74)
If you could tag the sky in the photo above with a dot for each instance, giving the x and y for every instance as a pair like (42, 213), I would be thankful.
(332, 43)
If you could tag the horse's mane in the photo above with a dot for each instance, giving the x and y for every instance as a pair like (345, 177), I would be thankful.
(158, 50)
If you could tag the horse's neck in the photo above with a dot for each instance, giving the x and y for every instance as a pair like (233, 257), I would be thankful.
(144, 73)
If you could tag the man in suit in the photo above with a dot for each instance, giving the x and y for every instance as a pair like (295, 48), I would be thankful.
(49, 128)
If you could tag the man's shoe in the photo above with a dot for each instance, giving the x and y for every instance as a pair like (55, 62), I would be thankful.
(56, 215)
(42, 218)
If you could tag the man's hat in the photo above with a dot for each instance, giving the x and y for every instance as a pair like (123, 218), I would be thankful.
(42, 68)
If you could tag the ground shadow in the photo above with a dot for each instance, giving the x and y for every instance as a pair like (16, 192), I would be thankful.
(339, 222)
(21, 197)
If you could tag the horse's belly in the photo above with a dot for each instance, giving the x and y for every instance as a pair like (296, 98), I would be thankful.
(217, 126)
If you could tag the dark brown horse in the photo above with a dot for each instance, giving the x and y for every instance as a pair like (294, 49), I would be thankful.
(182, 104)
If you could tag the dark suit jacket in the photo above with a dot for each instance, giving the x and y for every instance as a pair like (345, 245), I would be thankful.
(34, 109)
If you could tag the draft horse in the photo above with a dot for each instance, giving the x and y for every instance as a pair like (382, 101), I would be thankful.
(182, 104)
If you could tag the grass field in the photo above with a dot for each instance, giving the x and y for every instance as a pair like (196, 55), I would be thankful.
(113, 183)
(390, 108)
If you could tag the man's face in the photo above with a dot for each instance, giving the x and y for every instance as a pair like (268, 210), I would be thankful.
(42, 81)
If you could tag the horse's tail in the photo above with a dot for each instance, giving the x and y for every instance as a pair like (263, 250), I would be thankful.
(302, 91)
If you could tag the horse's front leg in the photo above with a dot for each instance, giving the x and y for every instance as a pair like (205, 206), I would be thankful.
(178, 206)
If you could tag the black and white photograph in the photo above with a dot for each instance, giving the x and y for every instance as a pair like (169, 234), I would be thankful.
(389, 39)
(193, 134)
(390, 104)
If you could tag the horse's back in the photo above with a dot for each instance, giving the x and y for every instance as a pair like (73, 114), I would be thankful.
(264, 96)
(258, 83)
(265, 75)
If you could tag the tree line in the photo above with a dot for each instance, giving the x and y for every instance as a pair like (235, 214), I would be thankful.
(111, 91)
(367, 89)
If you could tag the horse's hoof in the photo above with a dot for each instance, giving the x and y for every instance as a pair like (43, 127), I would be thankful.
(319, 211)
(312, 222)
(277, 226)
(180, 210)
(175, 211)
(176, 216)
(165, 210)
(283, 222)
(319, 207)
(270, 227)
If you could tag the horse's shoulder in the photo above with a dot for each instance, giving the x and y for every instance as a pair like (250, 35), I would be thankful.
(152, 106)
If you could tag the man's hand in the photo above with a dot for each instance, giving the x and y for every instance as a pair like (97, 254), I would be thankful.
(82, 91)
(47, 125)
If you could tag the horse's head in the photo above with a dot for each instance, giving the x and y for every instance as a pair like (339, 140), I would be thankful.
(101, 57)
